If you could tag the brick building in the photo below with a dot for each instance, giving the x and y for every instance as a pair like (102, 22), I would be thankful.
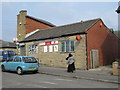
(27, 24)
(91, 43)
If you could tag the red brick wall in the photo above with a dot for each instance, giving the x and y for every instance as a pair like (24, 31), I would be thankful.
(102, 39)
(32, 25)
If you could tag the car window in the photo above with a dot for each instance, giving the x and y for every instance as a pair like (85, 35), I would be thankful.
(10, 59)
(5, 52)
(17, 59)
(11, 53)
(29, 60)
(0, 52)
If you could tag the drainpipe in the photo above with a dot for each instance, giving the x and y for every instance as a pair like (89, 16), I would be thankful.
(86, 53)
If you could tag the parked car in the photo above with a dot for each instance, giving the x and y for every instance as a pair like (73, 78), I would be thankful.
(20, 64)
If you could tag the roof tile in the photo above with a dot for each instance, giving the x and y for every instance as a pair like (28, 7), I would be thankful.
(40, 20)
(59, 31)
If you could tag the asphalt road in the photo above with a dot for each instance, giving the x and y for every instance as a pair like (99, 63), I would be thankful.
(29, 80)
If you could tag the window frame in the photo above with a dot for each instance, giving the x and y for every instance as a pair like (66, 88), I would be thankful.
(70, 50)
(33, 49)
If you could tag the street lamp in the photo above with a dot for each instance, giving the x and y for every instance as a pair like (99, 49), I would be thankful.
(15, 40)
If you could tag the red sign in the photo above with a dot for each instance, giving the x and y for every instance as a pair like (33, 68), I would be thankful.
(48, 43)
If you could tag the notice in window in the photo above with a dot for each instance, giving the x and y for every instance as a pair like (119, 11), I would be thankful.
(50, 48)
(37, 49)
(55, 48)
(45, 48)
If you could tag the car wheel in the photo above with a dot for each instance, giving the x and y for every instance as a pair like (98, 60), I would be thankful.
(19, 71)
(3, 68)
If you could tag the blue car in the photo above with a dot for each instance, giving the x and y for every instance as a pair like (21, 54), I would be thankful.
(20, 64)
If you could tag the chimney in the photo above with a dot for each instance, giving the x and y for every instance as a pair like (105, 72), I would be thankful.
(21, 25)
(23, 12)
(81, 21)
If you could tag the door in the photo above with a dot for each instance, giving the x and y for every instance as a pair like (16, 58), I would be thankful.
(94, 58)
(16, 63)
(22, 51)
(8, 64)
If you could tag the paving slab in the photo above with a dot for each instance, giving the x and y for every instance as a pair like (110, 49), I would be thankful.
(96, 75)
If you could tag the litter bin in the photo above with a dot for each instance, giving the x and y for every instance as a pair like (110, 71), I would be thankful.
(116, 68)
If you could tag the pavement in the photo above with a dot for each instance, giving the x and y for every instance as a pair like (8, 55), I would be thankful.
(101, 74)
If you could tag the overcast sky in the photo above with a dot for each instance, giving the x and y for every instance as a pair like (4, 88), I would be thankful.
(59, 13)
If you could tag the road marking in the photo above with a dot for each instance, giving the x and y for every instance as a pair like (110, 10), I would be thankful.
(63, 79)
(48, 82)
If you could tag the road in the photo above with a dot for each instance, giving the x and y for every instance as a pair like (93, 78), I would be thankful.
(29, 80)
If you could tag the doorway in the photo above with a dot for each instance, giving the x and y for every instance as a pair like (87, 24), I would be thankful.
(94, 58)
(23, 50)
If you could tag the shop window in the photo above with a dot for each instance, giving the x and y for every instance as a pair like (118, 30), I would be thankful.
(55, 48)
(50, 48)
(45, 48)
(67, 46)
(33, 49)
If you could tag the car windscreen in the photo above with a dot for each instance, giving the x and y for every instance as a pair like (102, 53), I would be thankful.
(29, 60)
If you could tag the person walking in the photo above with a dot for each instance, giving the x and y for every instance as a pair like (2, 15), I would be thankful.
(71, 65)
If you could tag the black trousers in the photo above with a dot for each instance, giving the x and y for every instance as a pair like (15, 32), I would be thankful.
(71, 67)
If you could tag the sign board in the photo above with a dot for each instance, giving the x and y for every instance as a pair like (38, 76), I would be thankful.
(48, 43)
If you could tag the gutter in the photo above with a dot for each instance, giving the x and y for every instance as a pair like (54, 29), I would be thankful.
(86, 54)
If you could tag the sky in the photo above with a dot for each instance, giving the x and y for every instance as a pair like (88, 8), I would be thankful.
(58, 13)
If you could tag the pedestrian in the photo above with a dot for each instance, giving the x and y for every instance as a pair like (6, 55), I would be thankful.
(71, 65)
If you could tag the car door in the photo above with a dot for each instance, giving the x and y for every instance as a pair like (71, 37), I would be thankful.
(7, 64)
(16, 62)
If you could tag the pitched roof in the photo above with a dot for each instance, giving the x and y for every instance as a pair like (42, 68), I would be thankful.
(5, 44)
(60, 31)
(117, 33)
(118, 10)
(40, 20)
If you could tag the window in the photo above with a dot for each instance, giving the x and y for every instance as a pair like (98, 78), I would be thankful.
(63, 46)
(33, 49)
(11, 59)
(67, 46)
(5, 52)
(17, 59)
(50, 48)
(55, 48)
(0, 52)
(29, 60)
(45, 49)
